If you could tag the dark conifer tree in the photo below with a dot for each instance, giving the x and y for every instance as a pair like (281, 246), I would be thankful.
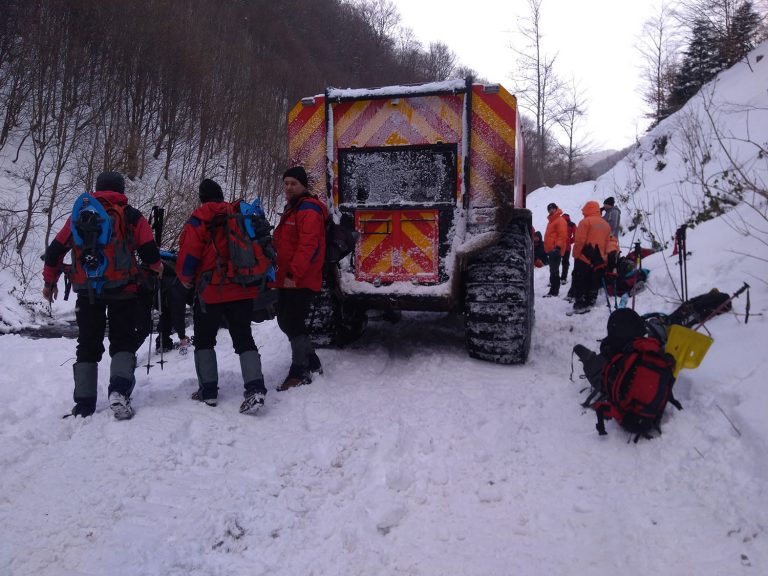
(702, 60)
(743, 33)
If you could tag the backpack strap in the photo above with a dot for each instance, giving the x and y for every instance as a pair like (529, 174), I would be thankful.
(603, 411)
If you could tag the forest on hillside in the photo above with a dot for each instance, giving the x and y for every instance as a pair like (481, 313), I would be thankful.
(169, 92)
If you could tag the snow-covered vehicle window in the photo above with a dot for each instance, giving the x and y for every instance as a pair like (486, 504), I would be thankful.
(398, 175)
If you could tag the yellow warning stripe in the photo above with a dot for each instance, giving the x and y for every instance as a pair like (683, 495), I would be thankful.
(300, 137)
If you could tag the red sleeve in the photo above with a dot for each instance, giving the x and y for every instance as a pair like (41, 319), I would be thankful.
(146, 247)
(55, 253)
(191, 246)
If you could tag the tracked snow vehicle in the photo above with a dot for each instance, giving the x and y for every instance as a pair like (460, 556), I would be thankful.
(430, 176)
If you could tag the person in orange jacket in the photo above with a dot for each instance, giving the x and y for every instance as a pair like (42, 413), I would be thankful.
(568, 246)
(300, 245)
(590, 250)
(555, 241)
(202, 264)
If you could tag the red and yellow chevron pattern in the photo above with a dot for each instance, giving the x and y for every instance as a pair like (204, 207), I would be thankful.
(397, 245)
(492, 146)
(403, 244)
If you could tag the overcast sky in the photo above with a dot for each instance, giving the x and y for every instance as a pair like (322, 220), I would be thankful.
(595, 41)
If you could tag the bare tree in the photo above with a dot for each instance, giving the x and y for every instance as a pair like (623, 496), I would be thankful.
(659, 45)
(538, 87)
(383, 18)
(572, 112)
(439, 62)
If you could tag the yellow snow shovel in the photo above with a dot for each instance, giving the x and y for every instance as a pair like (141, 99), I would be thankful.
(687, 346)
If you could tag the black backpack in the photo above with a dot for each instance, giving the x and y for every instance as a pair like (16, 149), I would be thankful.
(699, 308)
(340, 241)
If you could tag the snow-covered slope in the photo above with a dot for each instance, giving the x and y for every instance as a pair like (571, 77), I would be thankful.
(658, 185)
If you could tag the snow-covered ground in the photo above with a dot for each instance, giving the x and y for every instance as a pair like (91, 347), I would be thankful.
(406, 457)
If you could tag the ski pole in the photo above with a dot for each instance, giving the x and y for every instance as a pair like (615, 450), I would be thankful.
(607, 298)
(719, 309)
(685, 261)
(638, 260)
(680, 263)
(159, 295)
(149, 342)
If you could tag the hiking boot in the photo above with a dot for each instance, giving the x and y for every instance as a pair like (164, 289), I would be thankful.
(581, 308)
(294, 381)
(198, 395)
(315, 367)
(84, 407)
(121, 406)
(252, 403)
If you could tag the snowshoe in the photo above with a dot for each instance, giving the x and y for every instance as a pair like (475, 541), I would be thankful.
(121, 406)
(252, 403)
(198, 396)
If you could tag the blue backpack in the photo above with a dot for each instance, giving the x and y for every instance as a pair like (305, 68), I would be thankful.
(103, 246)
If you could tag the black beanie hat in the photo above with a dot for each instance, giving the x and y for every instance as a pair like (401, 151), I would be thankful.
(297, 172)
(610, 201)
(551, 205)
(210, 191)
(112, 181)
(625, 324)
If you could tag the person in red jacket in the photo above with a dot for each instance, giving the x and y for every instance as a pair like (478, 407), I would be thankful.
(590, 250)
(568, 245)
(300, 245)
(202, 264)
(115, 305)
(555, 241)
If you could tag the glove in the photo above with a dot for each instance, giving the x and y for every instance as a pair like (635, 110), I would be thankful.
(50, 291)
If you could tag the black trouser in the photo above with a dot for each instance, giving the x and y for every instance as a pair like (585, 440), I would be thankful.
(566, 264)
(92, 321)
(238, 316)
(582, 281)
(554, 272)
(293, 307)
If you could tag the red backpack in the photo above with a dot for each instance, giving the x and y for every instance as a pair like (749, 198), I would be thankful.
(637, 387)
(242, 246)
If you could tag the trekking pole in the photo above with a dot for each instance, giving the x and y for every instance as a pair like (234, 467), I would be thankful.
(607, 298)
(682, 261)
(149, 342)
(638, 261)
(685, 260)
(159, 295)
(720, 308)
